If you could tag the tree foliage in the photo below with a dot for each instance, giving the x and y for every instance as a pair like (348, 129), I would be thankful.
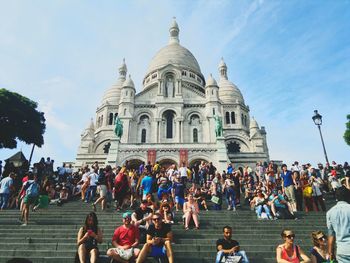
(19, 119)
(347, 131)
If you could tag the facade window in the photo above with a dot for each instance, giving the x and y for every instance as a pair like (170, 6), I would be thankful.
(110, 119)
(131, 94)
(184, 73)
(213, 111)
(245, 121)
(124, 112)
(169, 116)
(233, 117)
(143, 135)
(101, 120)
(242, 119)
(227, 117)
(126, 93)
(212, 92)
(115, 116)
(195, 135)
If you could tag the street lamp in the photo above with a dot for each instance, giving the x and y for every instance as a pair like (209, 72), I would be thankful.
(317, 118)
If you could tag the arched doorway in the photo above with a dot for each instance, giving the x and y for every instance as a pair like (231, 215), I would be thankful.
(135, 163)
(197, 161)
(166, 163)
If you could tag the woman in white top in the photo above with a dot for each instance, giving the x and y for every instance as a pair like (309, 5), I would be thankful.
(316, 184)
(191, 210)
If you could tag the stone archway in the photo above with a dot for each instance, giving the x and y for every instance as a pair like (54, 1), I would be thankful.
(134, 163)
(165, 163)
(197, 161)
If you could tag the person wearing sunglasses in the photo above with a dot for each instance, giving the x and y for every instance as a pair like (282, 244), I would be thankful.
(158, 241)
(319, 252)
(288, 251)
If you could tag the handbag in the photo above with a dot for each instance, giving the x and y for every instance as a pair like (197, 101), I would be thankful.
(215, 199)
(231, 259)
(307, 192)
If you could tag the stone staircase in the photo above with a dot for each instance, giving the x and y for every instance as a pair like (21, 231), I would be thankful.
(51, 234)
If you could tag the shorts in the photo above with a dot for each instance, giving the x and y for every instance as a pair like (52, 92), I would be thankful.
(179, 200)
(103, 190)
(289, 190)
(158, 251)
(125, 254)
(30, 200)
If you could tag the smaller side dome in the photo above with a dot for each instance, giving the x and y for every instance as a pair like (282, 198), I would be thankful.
(129, 83)
(211, 81)
(253, 124)
(112, 95)
(228, 92)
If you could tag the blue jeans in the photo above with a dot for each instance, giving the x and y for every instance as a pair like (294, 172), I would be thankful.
(4, 198)
(259, 209)
(90, 193)
(230, 197)
(241, 253)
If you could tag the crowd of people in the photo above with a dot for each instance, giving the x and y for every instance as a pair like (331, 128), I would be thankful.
(157, 193)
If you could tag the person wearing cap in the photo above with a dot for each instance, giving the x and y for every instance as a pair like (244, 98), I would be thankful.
(338, 222)
(125, 241)
(158, 242)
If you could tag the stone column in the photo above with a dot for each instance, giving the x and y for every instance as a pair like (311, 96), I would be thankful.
(221, 154)
(113, 152)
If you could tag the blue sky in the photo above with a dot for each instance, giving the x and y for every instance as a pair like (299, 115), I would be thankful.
(287, 57)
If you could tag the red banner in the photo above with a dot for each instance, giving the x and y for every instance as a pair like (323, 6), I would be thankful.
(183, 157)
(151, 156)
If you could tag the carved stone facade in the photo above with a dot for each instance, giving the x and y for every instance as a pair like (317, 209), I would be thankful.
(172, 115)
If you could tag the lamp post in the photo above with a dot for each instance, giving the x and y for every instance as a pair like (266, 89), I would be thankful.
(317, 118)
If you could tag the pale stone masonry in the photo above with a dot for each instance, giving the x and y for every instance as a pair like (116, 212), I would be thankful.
(172, 119)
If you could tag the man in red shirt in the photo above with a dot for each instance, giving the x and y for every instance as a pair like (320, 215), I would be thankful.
(125, 241)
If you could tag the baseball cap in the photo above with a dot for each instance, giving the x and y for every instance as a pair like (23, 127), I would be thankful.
(127, 214)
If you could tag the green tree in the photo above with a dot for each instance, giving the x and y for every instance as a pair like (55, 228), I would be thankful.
(347, 131)
(19, 120)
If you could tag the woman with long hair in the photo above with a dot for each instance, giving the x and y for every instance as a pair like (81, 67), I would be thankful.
(288, 251)
(319, 251)
(191, 210)
(88, 237)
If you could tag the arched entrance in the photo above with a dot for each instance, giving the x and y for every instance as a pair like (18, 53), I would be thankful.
(196, 161)
(166, 163)
(135, 163)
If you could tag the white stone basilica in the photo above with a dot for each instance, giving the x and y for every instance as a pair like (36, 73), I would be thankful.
(172, 119)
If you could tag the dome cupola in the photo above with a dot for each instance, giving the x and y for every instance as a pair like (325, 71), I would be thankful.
(112, 95)
(228, 92)
(176, 55)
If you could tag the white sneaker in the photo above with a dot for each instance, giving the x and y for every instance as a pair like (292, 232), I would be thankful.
(24, 224)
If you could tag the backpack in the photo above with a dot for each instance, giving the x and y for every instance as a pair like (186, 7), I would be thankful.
(33, 190)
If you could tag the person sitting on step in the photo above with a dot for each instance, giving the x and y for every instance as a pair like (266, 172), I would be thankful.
(229, 248)
(88, 237)
(158, 242)
(191, 211)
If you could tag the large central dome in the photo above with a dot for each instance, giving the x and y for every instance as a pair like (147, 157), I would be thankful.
(174, 54)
